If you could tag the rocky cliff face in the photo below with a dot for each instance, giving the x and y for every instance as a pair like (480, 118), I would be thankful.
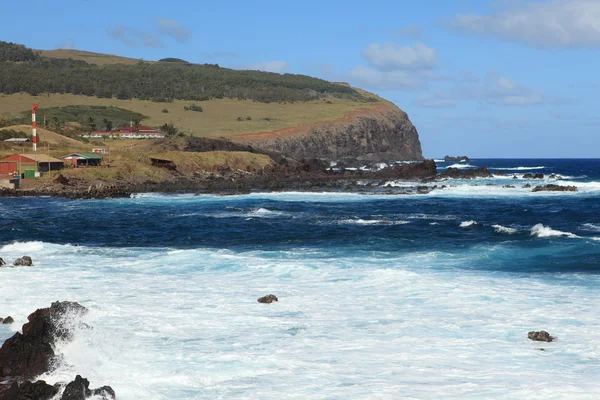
(381, 132)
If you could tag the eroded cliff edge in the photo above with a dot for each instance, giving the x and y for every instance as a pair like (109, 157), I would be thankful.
(379, 132)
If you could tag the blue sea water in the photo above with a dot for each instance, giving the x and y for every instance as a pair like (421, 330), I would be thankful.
(381, 296)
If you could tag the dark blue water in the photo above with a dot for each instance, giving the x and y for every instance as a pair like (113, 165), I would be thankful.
(383, 224)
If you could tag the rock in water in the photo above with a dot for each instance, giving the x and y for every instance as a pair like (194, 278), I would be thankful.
(2, 262)
(554, 188)
(268, 299)
(79, 389)
(541, 336)
(28, 354)
(39, 390)
(455, 173)
(24, 261)
(7, 320)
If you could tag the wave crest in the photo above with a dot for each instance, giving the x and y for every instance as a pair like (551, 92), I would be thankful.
(504, 229)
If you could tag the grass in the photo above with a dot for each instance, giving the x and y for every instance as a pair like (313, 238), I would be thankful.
(220, 116)
(88, 56)
(46, 136)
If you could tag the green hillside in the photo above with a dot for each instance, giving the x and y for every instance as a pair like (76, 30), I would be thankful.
(159, 82)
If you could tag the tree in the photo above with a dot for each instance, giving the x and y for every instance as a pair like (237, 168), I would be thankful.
(136, 124)
(91, 124)
(170, 129)
(108, 124)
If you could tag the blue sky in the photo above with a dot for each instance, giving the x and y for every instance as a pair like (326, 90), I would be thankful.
(484, 78)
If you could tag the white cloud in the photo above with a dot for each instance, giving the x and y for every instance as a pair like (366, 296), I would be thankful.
(555, 23)
(269, 66)
(371, 78)
(494, 89)
(133, 37)
(390, 56)
(173, 29)
(502, 90)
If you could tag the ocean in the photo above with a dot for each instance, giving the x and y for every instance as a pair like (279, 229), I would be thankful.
(380, 296)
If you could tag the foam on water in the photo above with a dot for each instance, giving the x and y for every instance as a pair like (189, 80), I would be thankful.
(360, 221)
(542, 231)
(185, 324)
(519, 168)
(460, 166)
(504, 229)
(467, 224)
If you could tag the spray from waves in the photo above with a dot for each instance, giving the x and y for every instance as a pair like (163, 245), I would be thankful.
(518, 168)
(461, 166)
(543, 231)
(22, 247)
(264, 212)
(504, 229)
(592, 227)
(372, 222)
(467, 224)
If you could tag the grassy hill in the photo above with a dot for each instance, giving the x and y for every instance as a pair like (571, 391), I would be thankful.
(87, 56)
(47, 136)
(220, 117)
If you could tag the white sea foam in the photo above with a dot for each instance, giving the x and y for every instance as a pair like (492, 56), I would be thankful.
(461, 166)
(592, 227)
(467, 224)
(183, 324)
(518, 168)
(504, 229)
(372, 222)
(543, 231)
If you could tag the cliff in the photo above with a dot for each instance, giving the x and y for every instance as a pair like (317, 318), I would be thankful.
(381, 132)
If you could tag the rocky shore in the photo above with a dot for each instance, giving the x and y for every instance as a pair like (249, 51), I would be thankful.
(31, 353)
(304, 175)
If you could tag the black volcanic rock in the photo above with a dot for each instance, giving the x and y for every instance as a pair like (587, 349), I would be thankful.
(79, 389)
(528, 176)
(39, 390)
(540, 336)
(456, 159)
(455, 173)
(424, 170)
(554, 188)
(538, 176)
(268, 299)
(2, 262)
(7, 320)
(31, 353)
(24, 261)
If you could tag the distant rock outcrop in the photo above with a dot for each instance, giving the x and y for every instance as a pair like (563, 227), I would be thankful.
(424, 170)
(554, 188)
(456, 159)
(268, 299)
(455, 173)
(540, 336)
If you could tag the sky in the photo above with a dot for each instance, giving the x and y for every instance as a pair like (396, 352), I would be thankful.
(503, 79)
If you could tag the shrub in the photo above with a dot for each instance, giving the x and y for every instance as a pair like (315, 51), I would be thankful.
(248, 118)
(240, 118)
(193, 107)
(164, 110)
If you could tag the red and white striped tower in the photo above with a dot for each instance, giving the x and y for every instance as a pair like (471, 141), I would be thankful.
(34, 126)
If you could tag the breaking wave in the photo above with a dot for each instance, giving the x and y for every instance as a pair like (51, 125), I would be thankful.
(543, 231)
(504, 229)
(467, 224)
